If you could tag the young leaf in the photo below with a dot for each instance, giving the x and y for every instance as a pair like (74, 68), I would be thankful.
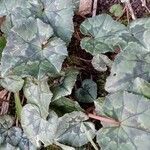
(66, 85)
(132, 112)
(88, 91)
(142, 87)
(38, 93)
(131, 63)
(116, 10)
(71, 129)
(100, 62)
(103, 34)
(36, 128)
(65, 105)
(25, 54)
(12, 83)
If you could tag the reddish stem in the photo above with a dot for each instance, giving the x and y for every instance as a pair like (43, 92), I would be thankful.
(104, 119)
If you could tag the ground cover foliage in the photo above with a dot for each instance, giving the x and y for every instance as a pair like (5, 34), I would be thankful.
(60, 108)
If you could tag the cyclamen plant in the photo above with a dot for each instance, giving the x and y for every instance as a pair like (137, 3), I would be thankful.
(37, 34)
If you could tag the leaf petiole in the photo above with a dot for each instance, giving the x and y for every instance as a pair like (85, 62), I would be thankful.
(18, 105)
(104, 119)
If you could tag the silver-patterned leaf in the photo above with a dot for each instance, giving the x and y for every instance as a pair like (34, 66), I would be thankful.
(17, 16)
(60, 16)
(18, 139)
(140, 29)
(14, 11)
(72, 130)
(100, 62)
(103, 34)
(30, 52)
(36, 128)
(133, 133)
(66, 85)
(6, 122)
(12, 83)
(142, 87)
(132, 62)
(25, 144)
(7, 7)
(14, 136)
(88, 91)
(38, 93)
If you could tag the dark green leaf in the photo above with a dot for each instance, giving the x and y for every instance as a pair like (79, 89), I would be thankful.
(88, 91)
(65, 105)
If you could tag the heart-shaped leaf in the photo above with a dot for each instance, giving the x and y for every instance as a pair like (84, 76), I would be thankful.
(72, 130)
(31, 52)
(88, 91)
(68, 129)
(133, 132)
(100, 62)
(131, 63)
(66, 85)
(103, 34)
(38, 93)
(36, 128)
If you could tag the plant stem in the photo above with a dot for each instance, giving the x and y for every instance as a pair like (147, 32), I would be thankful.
(89, 138)
(128, 4)
(104, 119)
(94, 8)
(18, 105)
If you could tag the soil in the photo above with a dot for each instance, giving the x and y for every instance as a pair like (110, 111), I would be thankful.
(104, 6)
